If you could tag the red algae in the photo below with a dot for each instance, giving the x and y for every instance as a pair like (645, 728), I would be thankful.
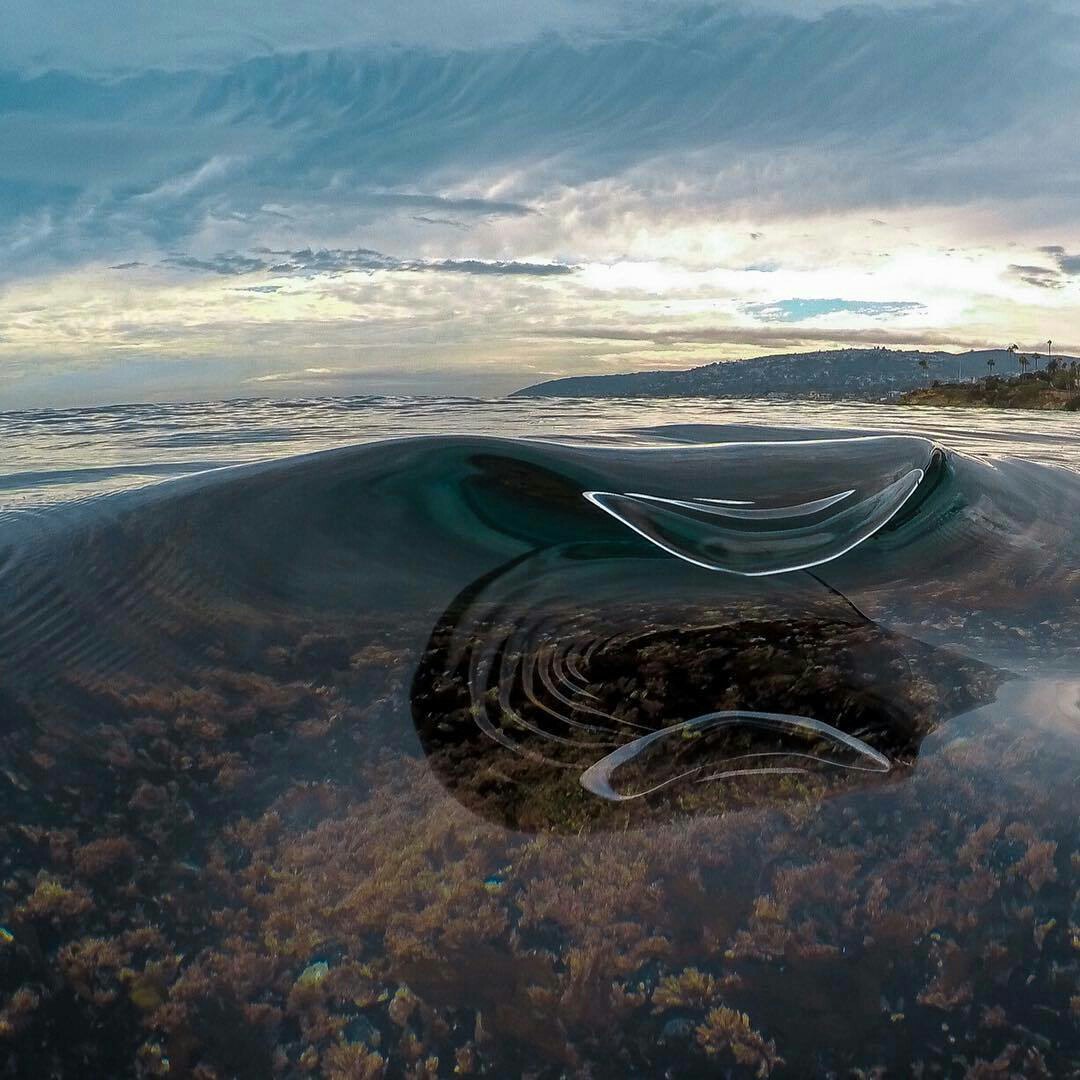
(726, 1032)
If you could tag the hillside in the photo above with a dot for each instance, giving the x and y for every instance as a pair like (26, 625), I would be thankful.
(1055, 391)
(857, 374)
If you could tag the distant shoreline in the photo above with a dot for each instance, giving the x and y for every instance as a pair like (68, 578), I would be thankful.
(851, 374)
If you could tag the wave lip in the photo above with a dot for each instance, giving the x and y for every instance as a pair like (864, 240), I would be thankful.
(597, 779)
(756, 538)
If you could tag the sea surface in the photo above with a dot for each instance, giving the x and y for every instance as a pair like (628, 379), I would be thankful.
(549, 738)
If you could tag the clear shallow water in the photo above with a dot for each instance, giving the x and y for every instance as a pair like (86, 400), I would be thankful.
(575, 738)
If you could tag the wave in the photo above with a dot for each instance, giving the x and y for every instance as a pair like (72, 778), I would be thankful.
(623, 621)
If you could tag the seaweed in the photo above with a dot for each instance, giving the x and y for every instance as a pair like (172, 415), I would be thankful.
(260, 872)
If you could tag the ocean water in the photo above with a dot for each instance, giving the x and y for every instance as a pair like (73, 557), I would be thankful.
(552, 738)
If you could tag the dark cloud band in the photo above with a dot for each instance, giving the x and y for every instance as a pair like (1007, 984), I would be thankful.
(308, 262)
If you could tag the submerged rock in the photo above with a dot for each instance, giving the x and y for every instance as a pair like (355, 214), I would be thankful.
(313, 974)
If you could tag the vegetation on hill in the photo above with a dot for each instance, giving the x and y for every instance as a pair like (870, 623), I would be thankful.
(1056, 387)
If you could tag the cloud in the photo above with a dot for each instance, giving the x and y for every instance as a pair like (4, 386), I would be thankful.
(424, 219)
(477, 207)
(339, 261)
(307, 375)
(588, 163)
(82, 36)
(1067, 264)
(87, 35)
(1045, 277)
(757, 335)
(498, 266)
(1042, 277)
(797, 310)
(219, 264)
(848, 108)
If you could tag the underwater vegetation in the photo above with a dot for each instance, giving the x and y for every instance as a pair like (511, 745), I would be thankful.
(377, 925)
(449, 797)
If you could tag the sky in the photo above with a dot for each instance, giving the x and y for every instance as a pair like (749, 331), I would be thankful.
(246, 199)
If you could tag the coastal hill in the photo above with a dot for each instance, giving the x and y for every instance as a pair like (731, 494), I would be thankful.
(875, 374)
(1056, 389)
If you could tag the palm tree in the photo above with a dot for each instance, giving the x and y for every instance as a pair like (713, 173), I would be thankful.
(925, 365)
(1023, 361)
(1013, 349)
(991, 363)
